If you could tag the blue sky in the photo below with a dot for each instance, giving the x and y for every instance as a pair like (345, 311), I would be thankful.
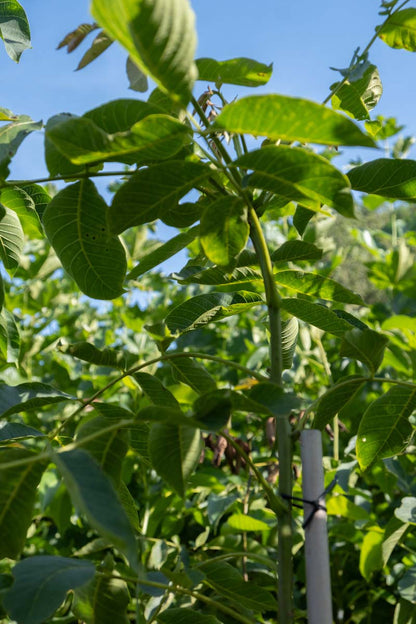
(300, 37)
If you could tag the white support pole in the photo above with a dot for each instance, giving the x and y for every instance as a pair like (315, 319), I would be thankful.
(318, 579)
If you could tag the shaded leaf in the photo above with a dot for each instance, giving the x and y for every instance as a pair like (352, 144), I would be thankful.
(74, 38)
(360, 93)
(18, 484)
(215, 276)
(120, 115)
(20, 201)
(317, 286)
(301, 218)
(103, 600)
(395, 178)
(159, 36)
(212, 410)
(272, 396)
(41, 584)
(174, 453)
(14, 431)
(290, 119)
(237, 71)
(185, 616)
(14, 29)
(100, 44)
(137, 79)
(156, 391)
(116, 358)
(203, 309)
(224, 230)
(366, 345)
(193, 374)
(317, 315)
(289, 337)
(11, 237)
(12, 134)
(9, 335)
(399, 31)
(295, 250)
(407, 510)
(407, 585)
(163, 414)
(385, 429)
(75, 223)
(335, 399)
(93, 493)
(56, 162)
(153, 191)
(29, 396)
(295, 174)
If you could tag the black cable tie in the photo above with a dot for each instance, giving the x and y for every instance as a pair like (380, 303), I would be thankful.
(316, 504)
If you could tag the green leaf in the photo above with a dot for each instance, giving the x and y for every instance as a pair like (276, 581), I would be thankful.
(385, 429)
(18, 484)
(159, 36)
(75, 223)
(301, 218)
(341, 506)
(400, 30)
(215, 276)
(316, 286)
(18, 200)
(153, 191)
(366, 346)
(163, 414)
(289, 338)
(193, 374)
(174, 453)
(99, 45)
(238, 71)
(295, 174)
(360, 93)
(154, 137)
(224, 230)
(93, 493)
(404, 613)
(14, 29)
(241, 522)
(163, 252)
(185, 616)
(407, 585)
(3, 334)
(103, 600)
(228, 582)
(9, 335)
(156, 391)
(407, 510)
(109, 449)
(335, 399)
(137, 79)
(11, 136)
(56, 162)
(41, 584)
(40, 198)
(371, 557)
(212, 410)
(29, 396)
(15, 431)
(11, 237)
(116, 358)
(289, 119)
(317, 315)
(295, 250)
(278, 402)
(395, 179)
(203, 309)
(393, 533)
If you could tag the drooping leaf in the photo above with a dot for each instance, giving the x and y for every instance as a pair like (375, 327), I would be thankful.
(74, 38)
(29, 396)
(289, 337)
(371, 557)
(289, 119)
(238, 71)
(75, 223)
(164, 252)
(93, 493)
(366, 345)
(393, 533)
(116, 358)
(103, 600)
(11, 237)
(295, 174)
(360, 93)
(335, 399)
(385, 429)
(394, 178)
(224, 230)
(185, 616)
(14, 29)
(317, 286)
(399, 31)
(18, 484)
(100, 44)
(153, 191)
(317, 315)
(407, 510)
(9, 335)
(159, 36)
(242, 522)
(156, 391)
(109, 449)
(193, 374)
(41, 584)
(11, 136)
(203, 309)
(155, 137)
(296, 250)
(137, 79)
(14, 431)
(174, 452)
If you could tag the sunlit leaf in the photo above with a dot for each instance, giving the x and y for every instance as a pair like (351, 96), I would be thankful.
(289, 337)
(393, 533)
(41, 584)
(11, 237)
(237, 71)
(384, 428)
(14, 29)
(241, 522)
(296, 250)
(75, 223)
(317, 315)
(371, 557)
(137, 79)
(360, 93)
(301, 218)
(159, 36)
(317, 286)
(29, 396)
(103, 600)
(116, 358)
(11, 136)
(224, 230)
(290, 119)
(395, 178)
(298, 175)
(18, 484)
(399, 31)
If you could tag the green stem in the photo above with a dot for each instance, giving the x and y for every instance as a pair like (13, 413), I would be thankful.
(335, 422)
(73, 176)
